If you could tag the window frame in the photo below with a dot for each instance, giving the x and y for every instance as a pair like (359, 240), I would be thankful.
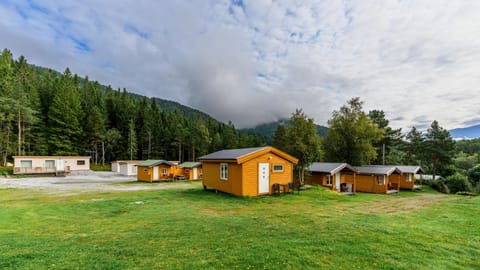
(49, 161)
(276, 170)
(81, 162)
(380, 179)
(408, 177)
(164, 171)
(224, 171)
(329, 180)
(22, 162)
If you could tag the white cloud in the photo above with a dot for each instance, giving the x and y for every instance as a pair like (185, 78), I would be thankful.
(256, 61)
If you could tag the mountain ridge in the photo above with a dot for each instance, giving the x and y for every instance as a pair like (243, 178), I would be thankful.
(471, 132)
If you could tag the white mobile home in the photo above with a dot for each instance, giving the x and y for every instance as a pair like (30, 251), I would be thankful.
(125, 167)
(50, 164)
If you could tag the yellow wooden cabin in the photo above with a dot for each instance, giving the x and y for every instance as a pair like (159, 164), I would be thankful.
(378, 179)
(340, 177)
(155, 170)
(190, 170)
(407, 181)
(247, 171)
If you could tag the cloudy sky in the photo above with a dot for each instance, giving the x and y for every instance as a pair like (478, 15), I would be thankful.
(255, 61)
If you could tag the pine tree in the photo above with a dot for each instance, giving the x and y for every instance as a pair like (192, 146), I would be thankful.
(440, 148)
(65, 116)
(303, 142)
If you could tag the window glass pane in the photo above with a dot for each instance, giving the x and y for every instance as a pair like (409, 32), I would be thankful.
(49, 163)
(26, 163)
(80, 162)
(278, 168)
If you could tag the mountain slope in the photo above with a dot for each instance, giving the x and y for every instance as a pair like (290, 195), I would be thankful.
(466, 133)
(267, 130)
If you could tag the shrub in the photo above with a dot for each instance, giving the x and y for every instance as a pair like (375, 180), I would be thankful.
(458, 182)
(439, 185)
(6, 171)
(474, 175)
(466, 193)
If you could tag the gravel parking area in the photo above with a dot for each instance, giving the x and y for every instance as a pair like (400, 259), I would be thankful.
(88, 182)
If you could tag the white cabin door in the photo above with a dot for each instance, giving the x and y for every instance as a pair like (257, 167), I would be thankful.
(194, 173)
(337, 181)
(60, 165)
(155, 173)
(263, 178)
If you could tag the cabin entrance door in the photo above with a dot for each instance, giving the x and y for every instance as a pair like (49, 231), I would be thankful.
(263, 178)
(337, 181)
(155, 173)
(194, 173)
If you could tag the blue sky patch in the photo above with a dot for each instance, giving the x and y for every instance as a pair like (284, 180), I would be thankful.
(135, 30)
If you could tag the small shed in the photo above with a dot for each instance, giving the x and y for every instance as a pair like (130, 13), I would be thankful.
(190, 170)
(247, 171)
(125, 167)
(50, 164)
(378, 179)
(340, 177)
(155, 170)
(408, 179)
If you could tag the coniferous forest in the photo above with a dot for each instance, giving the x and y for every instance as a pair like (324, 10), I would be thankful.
(43, 112)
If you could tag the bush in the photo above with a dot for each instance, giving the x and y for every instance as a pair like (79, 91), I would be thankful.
(4, 171)
(466, 193)
(458, 182)
(474, 175)
(439, 185)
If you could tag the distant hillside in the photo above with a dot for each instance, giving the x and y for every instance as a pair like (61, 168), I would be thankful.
(472, 132)
(164, 104)
(267, 130)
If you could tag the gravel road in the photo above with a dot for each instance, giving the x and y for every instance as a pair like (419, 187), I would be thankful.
(88, 182)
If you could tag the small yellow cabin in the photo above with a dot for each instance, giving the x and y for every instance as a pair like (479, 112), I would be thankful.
(247, 171)
(155, 170)
(340, 177)
(190, 170)
(407, 181)
(378, 179)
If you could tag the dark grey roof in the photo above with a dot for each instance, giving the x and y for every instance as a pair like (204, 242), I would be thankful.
(327, 167)
(410, 169)
(231, 154)
(377, 169)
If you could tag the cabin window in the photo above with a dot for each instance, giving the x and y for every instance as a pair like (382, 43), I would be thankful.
(408, 177)
(381, 179)
(224, 171)
(278, 168)
(26, 163)
(201, 171)
(49, 163)
(80, 162)
(329, 180)
(145, 170)
(134, 169)
(164, 171)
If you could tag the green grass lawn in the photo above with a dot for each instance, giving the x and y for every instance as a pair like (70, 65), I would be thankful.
(193, 229)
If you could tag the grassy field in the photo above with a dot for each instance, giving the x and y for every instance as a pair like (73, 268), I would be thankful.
(193, 229)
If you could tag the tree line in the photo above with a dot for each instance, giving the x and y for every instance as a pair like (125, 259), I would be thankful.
(43, 112)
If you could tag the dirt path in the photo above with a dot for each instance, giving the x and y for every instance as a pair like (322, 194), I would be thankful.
(93, 182)
(404, 203)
